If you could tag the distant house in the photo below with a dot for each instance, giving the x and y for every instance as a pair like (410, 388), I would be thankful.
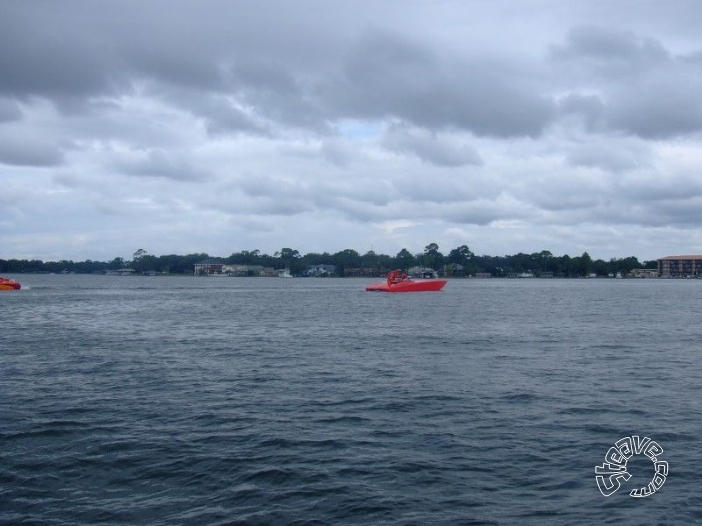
(321, 270)
(213, 267)
(644, 273)
(453, 269)
(208, 267)
(235, 270)
(243, 271)
(680, 266)
(422, 272)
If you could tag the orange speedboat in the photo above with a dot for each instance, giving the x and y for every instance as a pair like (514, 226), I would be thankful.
(8, 284)
(401, 283)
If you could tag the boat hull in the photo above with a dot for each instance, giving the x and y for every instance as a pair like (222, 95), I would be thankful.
(425, 285)
(8, 284)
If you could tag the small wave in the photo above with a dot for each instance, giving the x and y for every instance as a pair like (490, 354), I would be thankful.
(271, 475)
(520, 397)
(343, 420)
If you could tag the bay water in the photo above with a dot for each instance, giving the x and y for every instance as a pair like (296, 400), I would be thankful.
(183, 400)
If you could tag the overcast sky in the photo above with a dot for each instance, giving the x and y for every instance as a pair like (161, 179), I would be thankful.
(222, 126)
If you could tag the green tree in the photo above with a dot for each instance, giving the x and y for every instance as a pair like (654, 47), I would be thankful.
(432, 257)
(404, 259)
(288, 257)
(462, 256)
(245, 257)
(117, 263)
(370, 260)
(584, 265)
(346, 259)
(545, 256)
(565, 266)
(137, 259)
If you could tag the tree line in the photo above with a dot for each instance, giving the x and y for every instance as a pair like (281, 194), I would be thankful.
(460, 261)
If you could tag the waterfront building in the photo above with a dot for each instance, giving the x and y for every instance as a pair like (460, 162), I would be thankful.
(208, 267)
(680, 267)
(644, 273)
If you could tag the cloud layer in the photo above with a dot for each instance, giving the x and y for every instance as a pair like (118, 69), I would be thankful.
(216, 127)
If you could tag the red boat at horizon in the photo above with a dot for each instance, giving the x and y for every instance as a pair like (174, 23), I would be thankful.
(401, 283)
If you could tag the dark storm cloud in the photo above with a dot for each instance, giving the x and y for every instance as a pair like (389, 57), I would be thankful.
(69, 52)
(643, 89)
(49, 50)
(274, 92)
(390, 76)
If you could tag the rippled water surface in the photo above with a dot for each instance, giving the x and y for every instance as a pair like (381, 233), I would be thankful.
(179, 400)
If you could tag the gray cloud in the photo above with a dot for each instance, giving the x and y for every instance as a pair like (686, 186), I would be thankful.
(610, 52)
(388, 76)
(664, 106)
(644, 89)
(156, 163)
(44, 51)
(602, 154)
(442, 151)
(489, 124)
(589, 108)
(9, 111)
(21, 148)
